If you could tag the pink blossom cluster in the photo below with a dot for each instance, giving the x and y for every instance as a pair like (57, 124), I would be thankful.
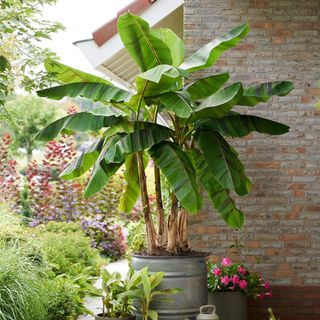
(229, 276)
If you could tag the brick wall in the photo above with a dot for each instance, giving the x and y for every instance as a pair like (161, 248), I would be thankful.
(282, 227)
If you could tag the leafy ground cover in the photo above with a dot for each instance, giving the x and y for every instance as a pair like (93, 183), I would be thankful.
(45, 272)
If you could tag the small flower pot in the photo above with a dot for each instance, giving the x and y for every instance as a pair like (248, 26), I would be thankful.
(100, 316)
(229, 305)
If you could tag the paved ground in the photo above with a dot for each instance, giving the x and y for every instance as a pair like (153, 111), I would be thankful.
(94, 304)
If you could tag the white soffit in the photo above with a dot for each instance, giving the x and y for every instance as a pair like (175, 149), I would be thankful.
(112, 58)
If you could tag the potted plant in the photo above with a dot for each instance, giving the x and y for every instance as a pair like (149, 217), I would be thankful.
(191, 151)
(123, 297)
(114, 305)
(230, 284)
(147, 293)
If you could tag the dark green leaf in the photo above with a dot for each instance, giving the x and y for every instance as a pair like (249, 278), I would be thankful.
(138, 140)
(220, 103)
(83, 162)
(161, 79)
(209, 54)
(207, 86)
(264, 91)
(237, 125)
(218, 195)
(102, 170)
(176, 103)
(223, 161)
(132, 189)
(176, 166)
(90, 90)
(146, 50)
(79, 122)
(4, 63)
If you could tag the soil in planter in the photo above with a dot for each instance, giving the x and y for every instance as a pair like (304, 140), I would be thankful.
(163, 252)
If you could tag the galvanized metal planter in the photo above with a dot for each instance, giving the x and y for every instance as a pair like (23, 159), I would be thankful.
(187, 273)
(229, 305)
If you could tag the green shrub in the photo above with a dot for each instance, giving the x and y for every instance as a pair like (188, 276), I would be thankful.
(68, 250)
(136, 239)
(62, 301)
(60, 227)
(45, 272)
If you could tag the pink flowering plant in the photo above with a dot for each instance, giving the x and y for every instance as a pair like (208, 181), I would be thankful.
(229, 276)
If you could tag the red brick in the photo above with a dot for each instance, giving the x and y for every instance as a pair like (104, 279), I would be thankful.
(299, 193)
(307, 99)
(263, 164)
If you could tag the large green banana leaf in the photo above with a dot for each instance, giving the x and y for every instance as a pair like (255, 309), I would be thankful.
(176, 166)
(220, 103)
(90, 90)
(80, 122)
(158, 80)
(102, 169)
(83, 162)
(177, 103)
(174, 43)
(146, 50)
(237, 125)
(136, 141)
(209, 54)
(132, 188)
(218, 195)
(207, 86)
(100, 176)
(65, 74)
(222, 161)
(263, 92)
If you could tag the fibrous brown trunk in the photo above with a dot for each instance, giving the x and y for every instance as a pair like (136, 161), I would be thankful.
(151, 234)
(162, 234)
(183, 228)
(173, 225)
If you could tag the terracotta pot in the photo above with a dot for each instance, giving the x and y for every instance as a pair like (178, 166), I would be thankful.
(229, 305)
(101, 317)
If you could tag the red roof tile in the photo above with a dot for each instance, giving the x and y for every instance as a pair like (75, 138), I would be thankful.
(109, 29)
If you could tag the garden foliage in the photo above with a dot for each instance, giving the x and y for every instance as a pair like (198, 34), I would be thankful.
(42, 196)
(37, 281)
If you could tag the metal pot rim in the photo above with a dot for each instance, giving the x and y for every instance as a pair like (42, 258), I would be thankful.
(170, 257)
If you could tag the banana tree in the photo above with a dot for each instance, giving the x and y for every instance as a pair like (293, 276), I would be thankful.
(192, 151)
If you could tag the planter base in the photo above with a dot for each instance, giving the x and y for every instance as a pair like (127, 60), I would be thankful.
(187, 273)
(229, 305)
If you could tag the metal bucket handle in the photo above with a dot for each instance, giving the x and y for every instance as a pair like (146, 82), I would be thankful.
(208, 306)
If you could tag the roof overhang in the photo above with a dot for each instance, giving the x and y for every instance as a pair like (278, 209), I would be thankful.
(106, 52)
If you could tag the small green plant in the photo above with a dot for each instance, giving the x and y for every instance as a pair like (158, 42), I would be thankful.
(147, 292)
(116, 304)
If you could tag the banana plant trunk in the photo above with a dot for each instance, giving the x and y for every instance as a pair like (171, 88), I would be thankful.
(150, 230)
